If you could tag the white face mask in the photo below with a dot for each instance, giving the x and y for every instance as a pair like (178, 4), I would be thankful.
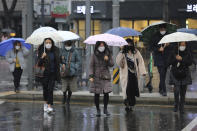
(182, 48)
(68, 47)
(162, 32)
(48, 46)
(17, 47)
(101, 49)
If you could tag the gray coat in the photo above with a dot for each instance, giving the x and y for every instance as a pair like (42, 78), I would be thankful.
(10, 56)
(99, 70)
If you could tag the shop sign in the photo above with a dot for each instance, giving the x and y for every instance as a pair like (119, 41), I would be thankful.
(59, 9)
(191, 8)
(82, 9)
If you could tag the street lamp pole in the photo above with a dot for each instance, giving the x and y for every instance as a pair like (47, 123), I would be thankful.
(87, 34)
(29, 30)
(42, 12)
(115, 23)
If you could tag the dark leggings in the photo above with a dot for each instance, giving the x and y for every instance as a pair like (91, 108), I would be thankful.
(105, 100)
(67, 97)
(179, 96)
(48, 85)
(17, 77)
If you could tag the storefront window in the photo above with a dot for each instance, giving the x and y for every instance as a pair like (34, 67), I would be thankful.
(139, 25)
(126, 23)
(96, 27)
(81, 28)
(192, 23)
(153, 21)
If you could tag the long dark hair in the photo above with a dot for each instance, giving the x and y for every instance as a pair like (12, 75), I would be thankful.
(98, 44)
(42, 46)
(15, 44)
(99, 54)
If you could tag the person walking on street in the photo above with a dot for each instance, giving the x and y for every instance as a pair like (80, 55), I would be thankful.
(131, 66)
(180, 75)
(100, 77)
(160, 55)
(48, 56)
(16, 60)
(70, 63)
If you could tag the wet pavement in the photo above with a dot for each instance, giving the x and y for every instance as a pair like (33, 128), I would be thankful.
(21, 116)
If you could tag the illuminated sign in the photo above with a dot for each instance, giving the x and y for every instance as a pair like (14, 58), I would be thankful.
(192, 8)
(82, 9)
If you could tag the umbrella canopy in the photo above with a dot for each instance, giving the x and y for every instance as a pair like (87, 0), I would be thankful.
(7, 45)
(38, 38)
(111, 40)
(191, 31)
(44, 29)
(68, 35)
(123, 32)
(149, 31)
(178, 37)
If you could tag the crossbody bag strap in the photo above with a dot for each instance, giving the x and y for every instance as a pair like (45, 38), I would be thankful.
(69, 59)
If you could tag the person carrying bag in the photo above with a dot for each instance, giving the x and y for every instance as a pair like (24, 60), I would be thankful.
(70, 63)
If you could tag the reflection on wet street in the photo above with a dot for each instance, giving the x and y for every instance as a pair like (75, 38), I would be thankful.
(29, 116)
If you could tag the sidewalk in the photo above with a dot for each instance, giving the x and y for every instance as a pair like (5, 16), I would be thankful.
(85, 96)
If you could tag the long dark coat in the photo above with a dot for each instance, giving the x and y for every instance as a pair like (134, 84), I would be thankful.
(186, 61)
(99, 69)
(46, 61)
(159, 57)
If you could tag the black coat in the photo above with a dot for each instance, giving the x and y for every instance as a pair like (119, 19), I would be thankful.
(160, 58)
(186, 62)
(46, 61)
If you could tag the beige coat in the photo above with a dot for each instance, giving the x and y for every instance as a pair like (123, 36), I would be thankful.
(121, 62)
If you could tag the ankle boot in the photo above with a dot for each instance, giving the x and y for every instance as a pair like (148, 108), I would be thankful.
(105, 111)
(175, 108)
(69, 96)
(98, 114)
(64, 98)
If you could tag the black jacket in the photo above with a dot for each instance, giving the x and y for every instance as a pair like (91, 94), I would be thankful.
(186, 62)
(160, 58)
(46, 61)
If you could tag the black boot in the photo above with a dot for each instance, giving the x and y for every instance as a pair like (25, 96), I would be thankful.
(98, 114)
(64, 98)
(68, 99)
(181, 108)
(175, 108)
(105, 111)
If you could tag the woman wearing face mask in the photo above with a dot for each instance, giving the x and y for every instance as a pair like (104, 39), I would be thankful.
(16, 59)
(70, 63)
(180, 75)
(100, 77)
(48, 55)
(131, 66)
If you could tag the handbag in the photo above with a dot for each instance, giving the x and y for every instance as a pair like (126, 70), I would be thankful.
(39, 70)
(66, 72)
(180, 72)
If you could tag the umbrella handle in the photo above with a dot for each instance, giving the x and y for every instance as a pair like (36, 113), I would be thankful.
(44, 49)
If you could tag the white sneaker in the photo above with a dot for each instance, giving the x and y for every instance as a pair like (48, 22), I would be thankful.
(45, 107)
(49, 110)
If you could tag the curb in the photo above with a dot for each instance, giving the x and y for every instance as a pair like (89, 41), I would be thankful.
(115, 99)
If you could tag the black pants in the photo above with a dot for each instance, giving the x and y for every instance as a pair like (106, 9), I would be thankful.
(48, 85)
(162, 73)
(179, 96)
(17, 77)
(105, 100)
(132, 89)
